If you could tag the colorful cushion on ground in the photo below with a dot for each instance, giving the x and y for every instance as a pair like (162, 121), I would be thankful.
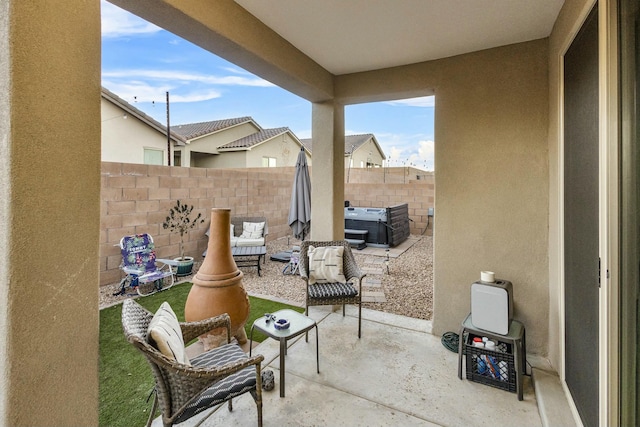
(325, 264)
(164, 334)
(252, 230)
(138, 252)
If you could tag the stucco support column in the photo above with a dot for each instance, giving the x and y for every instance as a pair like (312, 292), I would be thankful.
(49, 212)
(327, 179)
(185, 157)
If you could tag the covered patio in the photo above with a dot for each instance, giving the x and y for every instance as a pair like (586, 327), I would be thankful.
(500, 173)
(398, 374)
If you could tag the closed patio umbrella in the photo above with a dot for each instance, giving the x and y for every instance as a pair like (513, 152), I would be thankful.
(300, 208)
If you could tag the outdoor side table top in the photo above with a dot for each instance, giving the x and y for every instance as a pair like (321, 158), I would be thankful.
(298, 324)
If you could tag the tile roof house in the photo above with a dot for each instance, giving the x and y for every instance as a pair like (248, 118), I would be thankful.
(131, 136)
(360, 151)
(235, 143)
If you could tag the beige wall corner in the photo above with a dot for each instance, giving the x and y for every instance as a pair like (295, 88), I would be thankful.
(49, 214)
(492, 177)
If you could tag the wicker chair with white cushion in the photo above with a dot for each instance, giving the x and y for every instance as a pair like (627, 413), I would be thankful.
(331, 275)
(184, 387)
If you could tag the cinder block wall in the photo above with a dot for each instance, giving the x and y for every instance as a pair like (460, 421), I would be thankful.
(418, 193)
(136, 199)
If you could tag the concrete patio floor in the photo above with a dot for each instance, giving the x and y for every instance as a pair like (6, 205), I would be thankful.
(397, 374)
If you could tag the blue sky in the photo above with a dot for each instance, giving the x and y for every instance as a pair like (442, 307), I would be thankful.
(141, 62)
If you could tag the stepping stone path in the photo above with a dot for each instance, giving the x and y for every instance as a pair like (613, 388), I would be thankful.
(372, 290)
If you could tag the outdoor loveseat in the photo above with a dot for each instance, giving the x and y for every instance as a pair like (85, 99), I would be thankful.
(247, 231)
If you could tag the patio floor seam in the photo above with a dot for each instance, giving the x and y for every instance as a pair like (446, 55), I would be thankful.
(359, 396)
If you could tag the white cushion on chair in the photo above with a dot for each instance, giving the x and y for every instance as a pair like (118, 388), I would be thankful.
(249, 242)
(164, 333)
(252, 230)
(325, 264)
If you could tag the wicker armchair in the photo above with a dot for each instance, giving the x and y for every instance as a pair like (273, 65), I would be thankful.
(333, 293)
(214, 377)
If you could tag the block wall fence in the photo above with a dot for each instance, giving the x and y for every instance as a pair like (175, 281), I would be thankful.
(136, 198)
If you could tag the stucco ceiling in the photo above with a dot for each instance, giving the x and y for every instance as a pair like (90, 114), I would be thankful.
(346, 36)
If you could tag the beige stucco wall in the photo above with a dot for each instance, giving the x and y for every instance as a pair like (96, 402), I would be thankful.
(491, 161)
(567, 25)
(367, 152)
(283, 147)
(49, 216)
(492, 177)
(327, 176)
(124, 140)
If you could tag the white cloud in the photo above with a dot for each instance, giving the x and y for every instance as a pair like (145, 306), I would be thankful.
(173, 75)
(395, 154)
(119, 23)
(138, 91)
(426, 150)
(407, 150)
(195, 97)
(425, 101)
(236, 70)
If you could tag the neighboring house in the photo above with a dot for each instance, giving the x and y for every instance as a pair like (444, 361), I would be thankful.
(131, 136)
(235, 143)
(533, 157)
(360, 151)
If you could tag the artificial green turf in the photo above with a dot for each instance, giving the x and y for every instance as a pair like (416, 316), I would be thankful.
(125, 376)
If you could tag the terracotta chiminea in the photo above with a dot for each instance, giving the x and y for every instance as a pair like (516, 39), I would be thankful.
(217, 286)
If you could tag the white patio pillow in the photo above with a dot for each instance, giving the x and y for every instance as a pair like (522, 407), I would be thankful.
(252, 230)
(164, 334)
(325, 264)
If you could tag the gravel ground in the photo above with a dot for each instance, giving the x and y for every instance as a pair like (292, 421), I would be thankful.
(408, 287)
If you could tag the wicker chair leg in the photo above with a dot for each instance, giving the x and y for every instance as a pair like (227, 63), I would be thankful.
(154, 406)
(230, 405)
(343, 310)
(306, 313)
(359, 319)
(259, 406)
(258, 396)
